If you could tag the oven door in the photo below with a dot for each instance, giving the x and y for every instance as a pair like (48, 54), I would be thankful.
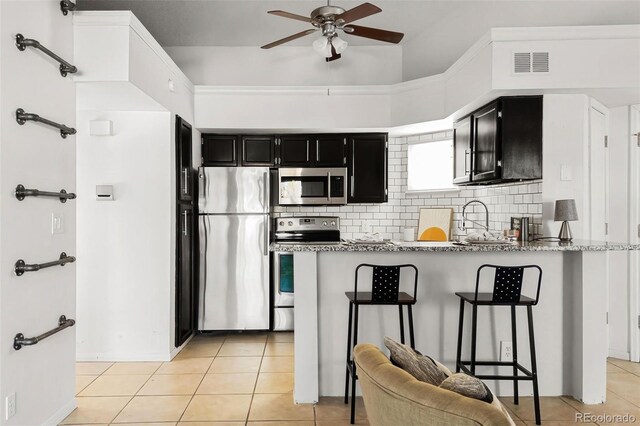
(282, 280)
(312, 186)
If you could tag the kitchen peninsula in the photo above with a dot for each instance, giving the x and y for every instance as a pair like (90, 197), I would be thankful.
(570, 320)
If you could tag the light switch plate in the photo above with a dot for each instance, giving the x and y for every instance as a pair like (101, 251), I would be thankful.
(10, 406)
(57, 223)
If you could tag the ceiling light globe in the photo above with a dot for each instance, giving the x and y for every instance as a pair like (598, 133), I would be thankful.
(322, 46)
(339, 44)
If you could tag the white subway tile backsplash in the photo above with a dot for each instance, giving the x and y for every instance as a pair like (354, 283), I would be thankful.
(402, 210)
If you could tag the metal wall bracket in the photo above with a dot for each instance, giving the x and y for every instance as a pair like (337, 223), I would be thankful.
(65, 67)
(22, 117)
(19, 340)
(21, 267)
(67, 6)
(21, 192)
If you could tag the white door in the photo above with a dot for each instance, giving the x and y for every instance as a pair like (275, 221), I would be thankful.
(634, 232)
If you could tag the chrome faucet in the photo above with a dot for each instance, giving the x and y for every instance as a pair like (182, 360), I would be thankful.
(464, 218)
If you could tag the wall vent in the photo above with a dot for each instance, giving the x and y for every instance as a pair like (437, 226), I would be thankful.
(528, 62)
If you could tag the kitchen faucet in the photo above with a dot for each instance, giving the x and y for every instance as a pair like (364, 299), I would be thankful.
(464, 218)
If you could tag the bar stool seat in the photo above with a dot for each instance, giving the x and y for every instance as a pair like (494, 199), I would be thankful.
(385, 290)
(487, 299)
(366, 298)
(507, 291)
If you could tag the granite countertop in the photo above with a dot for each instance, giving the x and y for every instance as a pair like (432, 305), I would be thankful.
(576, 245)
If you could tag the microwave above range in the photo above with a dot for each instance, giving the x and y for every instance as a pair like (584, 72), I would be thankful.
(312, 186)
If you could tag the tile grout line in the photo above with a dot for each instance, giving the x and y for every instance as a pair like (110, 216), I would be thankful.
(255, 386)
(201, 380)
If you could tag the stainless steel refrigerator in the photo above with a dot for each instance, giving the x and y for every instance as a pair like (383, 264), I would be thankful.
(234, 248)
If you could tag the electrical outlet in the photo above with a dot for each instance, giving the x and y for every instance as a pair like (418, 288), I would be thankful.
(506, 351)
(10, 406)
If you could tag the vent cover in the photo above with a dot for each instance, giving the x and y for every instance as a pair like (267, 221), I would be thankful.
(528, 62)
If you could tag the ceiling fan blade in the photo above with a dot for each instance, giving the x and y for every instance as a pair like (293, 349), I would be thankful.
(290, 15)
(358, 12)
(374, 33)
(287, 39)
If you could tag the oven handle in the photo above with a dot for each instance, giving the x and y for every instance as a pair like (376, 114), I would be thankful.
(329, 186)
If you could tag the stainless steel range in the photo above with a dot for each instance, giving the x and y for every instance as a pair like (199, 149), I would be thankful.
(295, 230)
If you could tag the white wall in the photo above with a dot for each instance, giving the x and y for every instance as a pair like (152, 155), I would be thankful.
(287, 65)
(565, 136)
(42, 376)
(139, 88)
(125, 284)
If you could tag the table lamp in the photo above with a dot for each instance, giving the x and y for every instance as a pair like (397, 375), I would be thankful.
(565, 211)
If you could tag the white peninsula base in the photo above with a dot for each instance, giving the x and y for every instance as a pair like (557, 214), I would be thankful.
(570, 319)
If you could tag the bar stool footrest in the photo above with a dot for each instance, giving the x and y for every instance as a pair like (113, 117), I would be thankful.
(528, 375)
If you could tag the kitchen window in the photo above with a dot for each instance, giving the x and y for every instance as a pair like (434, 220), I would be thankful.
(430, 165)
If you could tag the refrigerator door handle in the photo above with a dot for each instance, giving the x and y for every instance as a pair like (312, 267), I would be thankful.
(266, 236)
(265, 183)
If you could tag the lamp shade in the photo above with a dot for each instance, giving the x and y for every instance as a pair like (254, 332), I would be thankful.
(565, 210)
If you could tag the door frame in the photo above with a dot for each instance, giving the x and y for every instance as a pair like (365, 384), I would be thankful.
(634, 232)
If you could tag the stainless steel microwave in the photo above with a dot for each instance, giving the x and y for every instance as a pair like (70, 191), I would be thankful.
(312, 186)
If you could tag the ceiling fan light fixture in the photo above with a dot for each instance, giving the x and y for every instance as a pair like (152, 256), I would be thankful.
(339, 44)
(322, 46)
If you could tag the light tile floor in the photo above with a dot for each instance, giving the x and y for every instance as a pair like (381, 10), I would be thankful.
(247, 379)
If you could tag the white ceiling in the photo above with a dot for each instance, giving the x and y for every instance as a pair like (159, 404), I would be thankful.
(438, 30)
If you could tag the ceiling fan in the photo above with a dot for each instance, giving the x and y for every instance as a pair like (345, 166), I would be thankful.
(330, 19)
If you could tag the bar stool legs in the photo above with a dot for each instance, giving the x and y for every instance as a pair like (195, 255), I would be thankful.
(460, 323)
(474, 329)
(514, 340)
(534, 367)
(351, 366)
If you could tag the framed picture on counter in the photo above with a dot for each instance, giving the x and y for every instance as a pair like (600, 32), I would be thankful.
(435, 224)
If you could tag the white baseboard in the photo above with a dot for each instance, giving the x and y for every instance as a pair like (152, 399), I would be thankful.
(61, 414)
(117, 356)
(619, 355)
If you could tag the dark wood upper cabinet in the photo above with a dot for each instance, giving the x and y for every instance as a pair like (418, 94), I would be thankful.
(462, 153)
(521, 137)
(367, 168)
(486, 153)
(295, 151)
(220, 150)
(504, 141)
(258, 151)
(330, 150)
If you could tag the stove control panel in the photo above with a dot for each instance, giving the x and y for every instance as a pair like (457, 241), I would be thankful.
(308, 223)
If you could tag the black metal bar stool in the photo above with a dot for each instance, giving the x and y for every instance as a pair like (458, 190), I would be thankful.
(385, 290)
(507, 291)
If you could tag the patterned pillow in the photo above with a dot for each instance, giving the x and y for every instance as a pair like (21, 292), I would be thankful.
(421, 367)
(468, 386)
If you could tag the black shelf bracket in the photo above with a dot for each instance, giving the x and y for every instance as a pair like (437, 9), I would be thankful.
(22, 117)
(19, 341)
(22, 192)
(67, 6)
(65, 67)
(21, 267)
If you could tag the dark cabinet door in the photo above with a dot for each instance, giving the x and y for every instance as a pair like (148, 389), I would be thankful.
(185, 313)
(295, 151)
(184, 160)
(258, 150)
(462, 150)
(367, 168)
(486, 125)
(220, 150)
(330, 151)
(521, 141)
